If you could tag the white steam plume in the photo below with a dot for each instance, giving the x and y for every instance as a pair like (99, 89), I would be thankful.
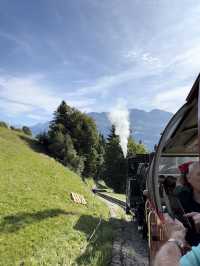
(119, 117)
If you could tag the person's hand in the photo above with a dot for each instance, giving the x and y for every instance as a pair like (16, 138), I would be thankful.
(174, 228)
(196, 218)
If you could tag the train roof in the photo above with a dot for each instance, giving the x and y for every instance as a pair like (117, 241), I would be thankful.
(194, 90)
(181, 134)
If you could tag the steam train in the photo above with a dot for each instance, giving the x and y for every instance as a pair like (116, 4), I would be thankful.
(179, 143)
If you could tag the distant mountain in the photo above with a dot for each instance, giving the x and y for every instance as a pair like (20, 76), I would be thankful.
(39, 128)
(145, 126)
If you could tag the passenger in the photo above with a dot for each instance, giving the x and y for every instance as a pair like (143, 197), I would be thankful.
(188, 193)
(169, 184)
(171, 252)
(182, 182)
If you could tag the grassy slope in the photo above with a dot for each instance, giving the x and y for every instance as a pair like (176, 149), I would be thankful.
(39, 223)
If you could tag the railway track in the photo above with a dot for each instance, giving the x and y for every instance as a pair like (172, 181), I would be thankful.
(129, 249)
(120, 203)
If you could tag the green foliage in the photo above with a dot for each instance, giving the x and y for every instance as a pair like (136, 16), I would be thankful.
(43, 139)
(3, 124)
(115, 163)
(27, 130)
(16, 129)
(39, 223)
(100, 160)
(73, 140)
(135, 148)
(114, 166)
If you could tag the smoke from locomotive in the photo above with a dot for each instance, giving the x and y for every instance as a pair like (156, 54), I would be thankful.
(119, 117)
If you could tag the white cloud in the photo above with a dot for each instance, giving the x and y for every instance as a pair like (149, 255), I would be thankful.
(186, 62)
(19, 95)
(27, 96)
(105, 84)
(171, 100)
(142, 58)
(13, 108)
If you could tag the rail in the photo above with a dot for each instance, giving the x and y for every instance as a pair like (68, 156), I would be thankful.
(111, 199)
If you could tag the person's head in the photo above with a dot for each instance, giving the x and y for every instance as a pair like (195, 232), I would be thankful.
(184, 170)
(193, 176)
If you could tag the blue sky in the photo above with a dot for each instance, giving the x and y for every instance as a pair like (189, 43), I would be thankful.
(91, 53)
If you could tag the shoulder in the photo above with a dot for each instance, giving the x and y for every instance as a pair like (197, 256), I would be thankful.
(184, 194)
(182, 191)
(192, 257)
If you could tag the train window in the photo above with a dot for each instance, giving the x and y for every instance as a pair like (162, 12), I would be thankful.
(170, 165)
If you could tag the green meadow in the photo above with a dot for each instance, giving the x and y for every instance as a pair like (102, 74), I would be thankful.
(39, 223)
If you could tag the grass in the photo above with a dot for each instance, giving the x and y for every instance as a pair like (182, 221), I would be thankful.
(39, 223)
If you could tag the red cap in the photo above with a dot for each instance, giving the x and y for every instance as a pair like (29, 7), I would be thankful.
(184, 168)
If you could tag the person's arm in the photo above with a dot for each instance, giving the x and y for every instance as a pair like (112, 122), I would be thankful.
(192, 258)
(168, 255)
(170, 252)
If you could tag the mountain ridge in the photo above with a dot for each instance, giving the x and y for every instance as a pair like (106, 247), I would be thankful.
(145, 126)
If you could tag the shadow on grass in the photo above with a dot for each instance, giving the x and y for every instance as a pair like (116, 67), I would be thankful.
(33, 144)
(13, 223)
(99, 249)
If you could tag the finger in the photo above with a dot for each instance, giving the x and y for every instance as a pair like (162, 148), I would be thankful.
(198, 228)
(190, 214)
(196, 220)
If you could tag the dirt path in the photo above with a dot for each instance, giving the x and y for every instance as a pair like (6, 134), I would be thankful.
(128, 247)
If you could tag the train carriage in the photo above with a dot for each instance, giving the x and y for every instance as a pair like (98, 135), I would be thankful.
(179, 143)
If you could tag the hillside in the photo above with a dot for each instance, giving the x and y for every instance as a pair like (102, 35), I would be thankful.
(39, 223)
(145, 126)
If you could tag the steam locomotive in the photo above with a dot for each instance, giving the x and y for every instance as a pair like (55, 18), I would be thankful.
(136, 182)
(179, 143)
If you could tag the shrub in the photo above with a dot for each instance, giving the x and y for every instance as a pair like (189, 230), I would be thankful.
(27, 130)
(16, 129)
(3, 124)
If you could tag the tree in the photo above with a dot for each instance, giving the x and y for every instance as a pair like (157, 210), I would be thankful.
(115, 163)
(43, 139)
(3, 124)
(86, 140)
(71, 158)
(74, 133)
(100, 160)
(62, 148)
(135, 148)
(27, 130)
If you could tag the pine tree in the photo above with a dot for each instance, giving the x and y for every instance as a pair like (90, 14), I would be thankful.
(83, 143)
(101, 153)
(115, 165)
